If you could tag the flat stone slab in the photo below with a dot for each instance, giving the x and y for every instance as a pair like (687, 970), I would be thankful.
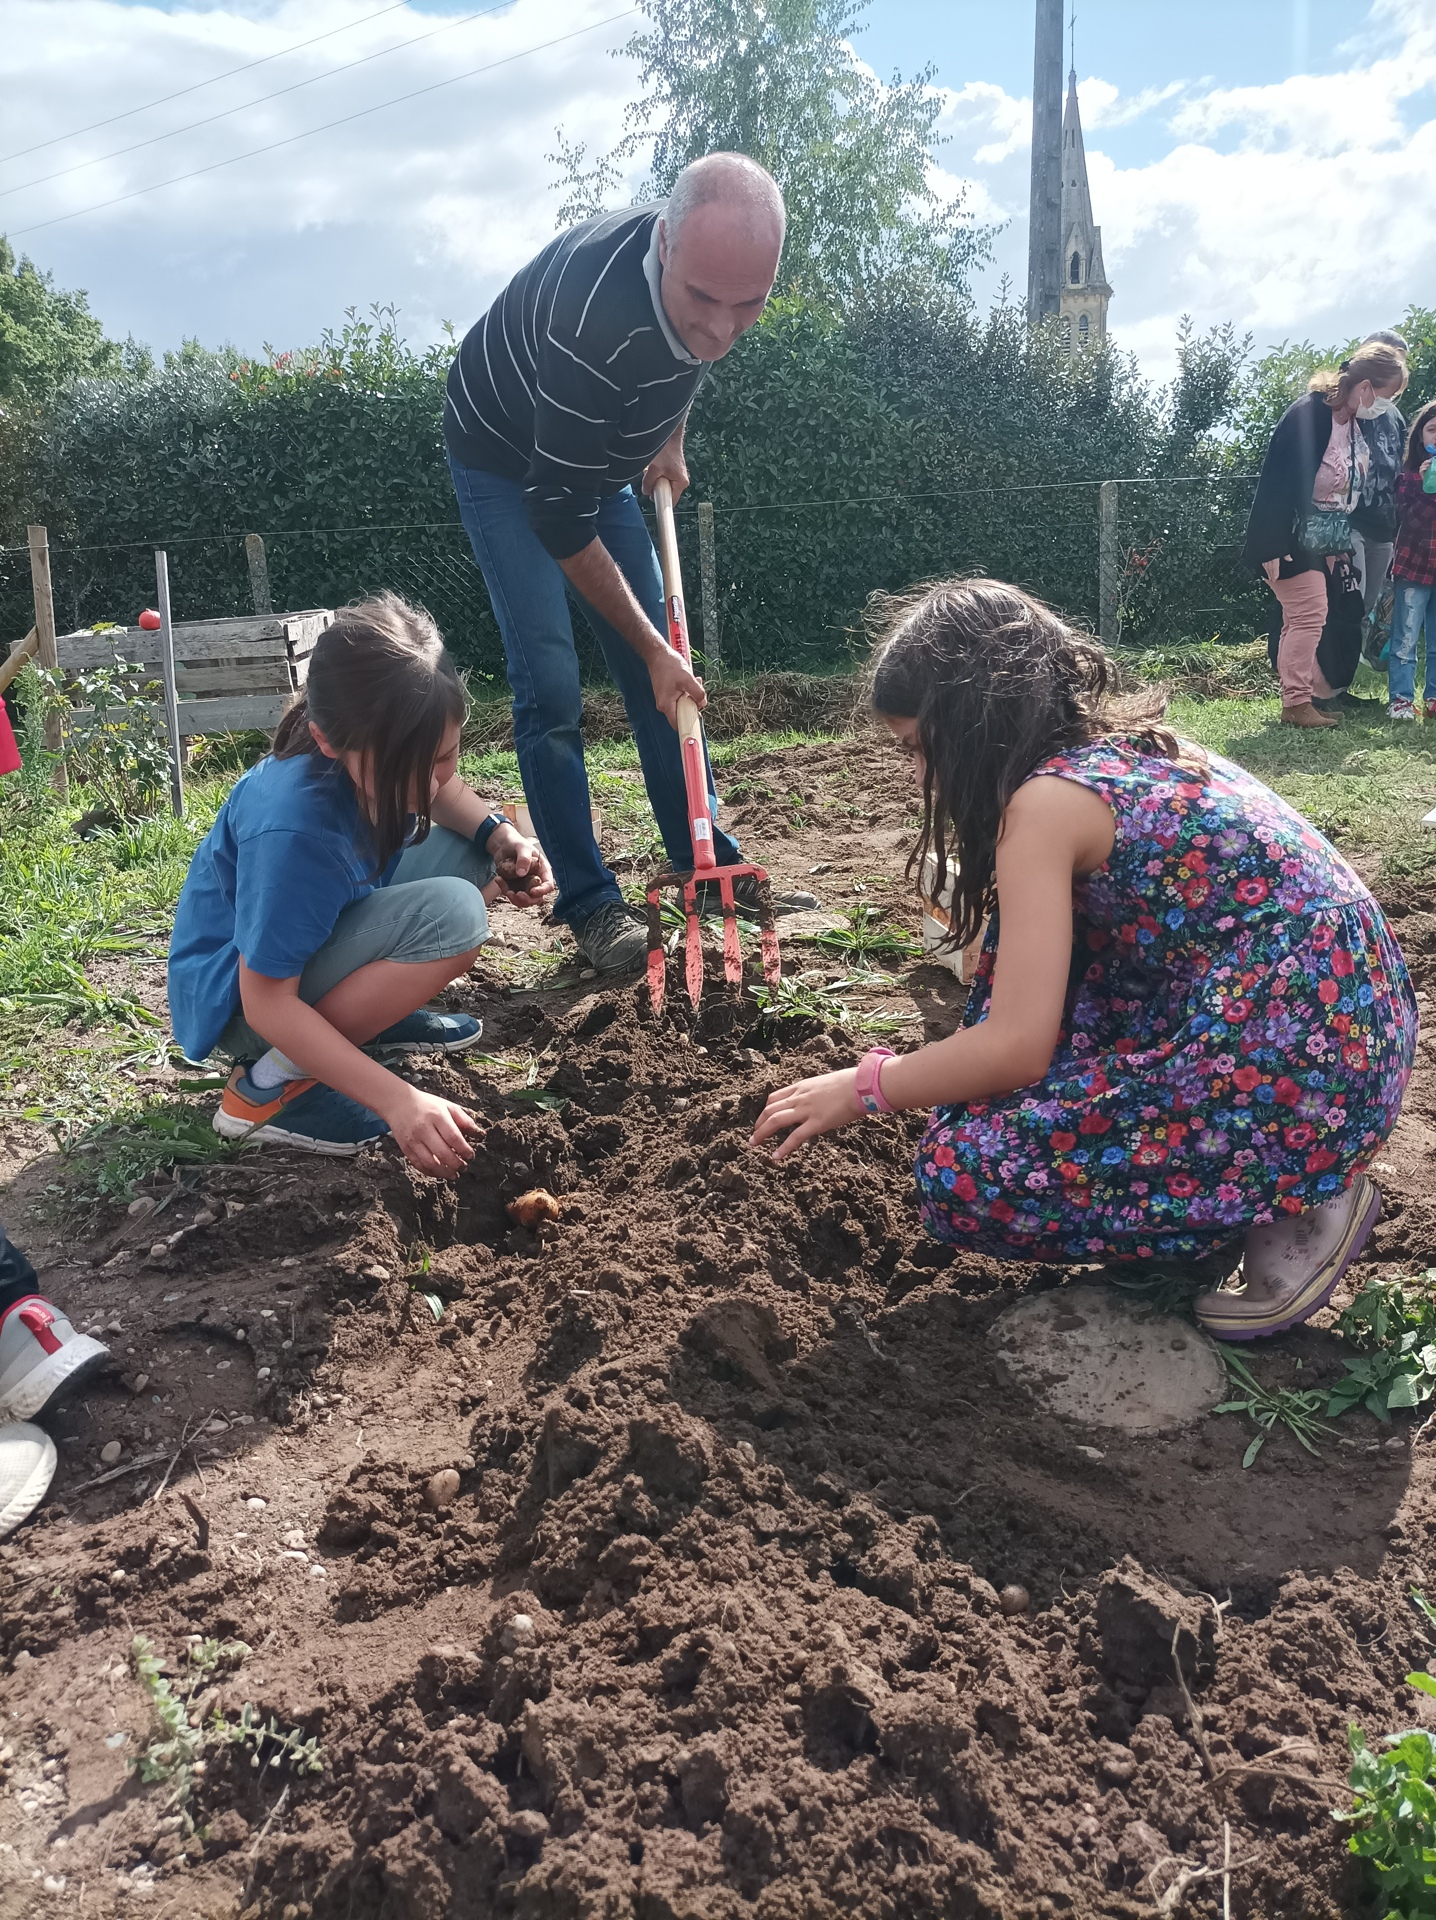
(1092, 1356)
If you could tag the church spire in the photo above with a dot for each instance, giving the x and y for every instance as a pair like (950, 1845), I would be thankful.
(1085, 292)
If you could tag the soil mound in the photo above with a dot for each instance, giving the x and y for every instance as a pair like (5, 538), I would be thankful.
(713, 1626)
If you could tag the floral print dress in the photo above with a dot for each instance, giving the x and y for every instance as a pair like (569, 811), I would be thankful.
(1239, 1030)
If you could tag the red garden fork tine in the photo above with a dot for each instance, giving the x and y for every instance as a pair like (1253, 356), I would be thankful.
(693, 940)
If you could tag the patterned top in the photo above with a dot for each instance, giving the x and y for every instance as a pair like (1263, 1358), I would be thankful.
(1239, 1028)
(1196, 861)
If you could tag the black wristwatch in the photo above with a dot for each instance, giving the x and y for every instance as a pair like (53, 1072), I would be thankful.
(486, 829)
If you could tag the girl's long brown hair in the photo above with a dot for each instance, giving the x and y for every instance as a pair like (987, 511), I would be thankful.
(381, 685)
(997, 684)
(1416, 454)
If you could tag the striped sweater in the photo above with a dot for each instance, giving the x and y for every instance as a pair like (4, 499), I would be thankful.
(574, 378)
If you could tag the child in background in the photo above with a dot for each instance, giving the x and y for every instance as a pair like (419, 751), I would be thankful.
(1413, 568)
(342, 886)
(1190, 1025)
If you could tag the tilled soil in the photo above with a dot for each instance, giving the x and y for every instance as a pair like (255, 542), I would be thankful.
(719, 1622)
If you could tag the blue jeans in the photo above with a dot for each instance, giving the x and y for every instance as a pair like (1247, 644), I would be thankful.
(1410, 603)
(529, 594)
(432, 909)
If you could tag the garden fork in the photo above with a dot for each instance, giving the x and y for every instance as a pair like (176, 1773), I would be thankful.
(700, 820)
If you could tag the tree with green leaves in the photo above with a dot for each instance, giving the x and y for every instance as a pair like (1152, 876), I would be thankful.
(779, 81)
(47, 336)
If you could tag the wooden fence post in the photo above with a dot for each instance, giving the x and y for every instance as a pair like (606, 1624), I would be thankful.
(167, 653)
(258, 573)
(708, 581)
(1108, 609)
(45, 642)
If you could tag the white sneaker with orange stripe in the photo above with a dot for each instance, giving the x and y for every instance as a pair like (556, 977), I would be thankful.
(41, 1357)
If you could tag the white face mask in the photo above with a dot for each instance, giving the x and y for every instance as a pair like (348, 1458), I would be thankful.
(1369, 413)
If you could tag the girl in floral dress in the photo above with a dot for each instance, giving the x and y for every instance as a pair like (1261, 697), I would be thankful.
(1191, 1024)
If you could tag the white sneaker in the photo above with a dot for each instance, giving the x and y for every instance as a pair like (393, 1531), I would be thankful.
(41, 1357)
(27, 1466)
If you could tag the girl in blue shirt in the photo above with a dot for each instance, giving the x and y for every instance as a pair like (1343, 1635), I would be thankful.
(342, 887)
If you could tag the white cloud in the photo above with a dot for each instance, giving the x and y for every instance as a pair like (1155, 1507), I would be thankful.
(1303, 209)
(431, 203)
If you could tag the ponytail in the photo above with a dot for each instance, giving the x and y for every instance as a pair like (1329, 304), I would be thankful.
(381, 685)
(1377, 362)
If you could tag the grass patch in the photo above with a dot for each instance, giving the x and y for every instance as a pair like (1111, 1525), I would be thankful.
(1364, 784)
(158, 1138)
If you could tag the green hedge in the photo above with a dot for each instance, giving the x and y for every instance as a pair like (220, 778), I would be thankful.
(841, 456)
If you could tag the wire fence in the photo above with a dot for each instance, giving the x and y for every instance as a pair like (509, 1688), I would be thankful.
(1145, 560)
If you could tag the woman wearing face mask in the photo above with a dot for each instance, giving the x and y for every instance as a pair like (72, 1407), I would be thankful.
(1313, 479)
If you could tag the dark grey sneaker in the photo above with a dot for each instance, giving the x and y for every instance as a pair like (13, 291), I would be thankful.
(613, 939)
(745, 896)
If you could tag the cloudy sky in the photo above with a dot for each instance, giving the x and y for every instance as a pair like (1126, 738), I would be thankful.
(1272, 162)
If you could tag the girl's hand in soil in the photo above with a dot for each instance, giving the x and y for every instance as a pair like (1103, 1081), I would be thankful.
(525, 878)
(808, 1108)
(432, 1133)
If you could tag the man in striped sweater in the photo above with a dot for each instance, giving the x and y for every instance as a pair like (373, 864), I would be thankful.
(572, 387)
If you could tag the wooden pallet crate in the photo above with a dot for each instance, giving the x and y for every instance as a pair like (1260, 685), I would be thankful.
(230, 674)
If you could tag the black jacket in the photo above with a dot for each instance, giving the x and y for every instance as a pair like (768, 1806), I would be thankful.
(1288, 475)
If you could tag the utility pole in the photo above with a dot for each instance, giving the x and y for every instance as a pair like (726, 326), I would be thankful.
(1044, 230)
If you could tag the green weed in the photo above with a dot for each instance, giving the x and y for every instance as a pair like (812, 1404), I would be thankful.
(1394, 1332)
(865, 936)
(177, 1734)
(180, 1732)
(803, 997)
(1294, 1408)
(159, 1137)
(1394, 1815)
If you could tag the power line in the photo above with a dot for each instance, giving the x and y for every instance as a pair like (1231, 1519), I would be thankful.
(226, 113)
(229, 72)
(343, 120)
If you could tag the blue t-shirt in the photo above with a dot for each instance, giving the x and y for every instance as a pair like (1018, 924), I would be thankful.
(289, 851)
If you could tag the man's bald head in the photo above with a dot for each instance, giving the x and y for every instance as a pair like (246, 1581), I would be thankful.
(718, 242)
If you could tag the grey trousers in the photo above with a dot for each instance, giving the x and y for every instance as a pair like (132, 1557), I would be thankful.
(431, 910)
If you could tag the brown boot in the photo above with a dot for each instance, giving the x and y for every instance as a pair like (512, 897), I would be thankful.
(1306, 715)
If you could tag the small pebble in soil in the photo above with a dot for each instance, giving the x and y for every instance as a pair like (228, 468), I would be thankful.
(206, 1217)
(114, 1327)
(142, 1380)
(290, 1260)
(1014, 1599)
(110, 1453)
(1090, 1453)
(255, 1504)
(294, 1537)
(159, 1250)
(261, 1373)
(746, 1449)
(142, 1204)
(376, 1272)
(442, 1489)
(518, 1633)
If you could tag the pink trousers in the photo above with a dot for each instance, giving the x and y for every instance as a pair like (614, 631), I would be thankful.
(1303, 615)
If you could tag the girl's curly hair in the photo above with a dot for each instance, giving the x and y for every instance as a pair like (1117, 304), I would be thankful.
(997, 684)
